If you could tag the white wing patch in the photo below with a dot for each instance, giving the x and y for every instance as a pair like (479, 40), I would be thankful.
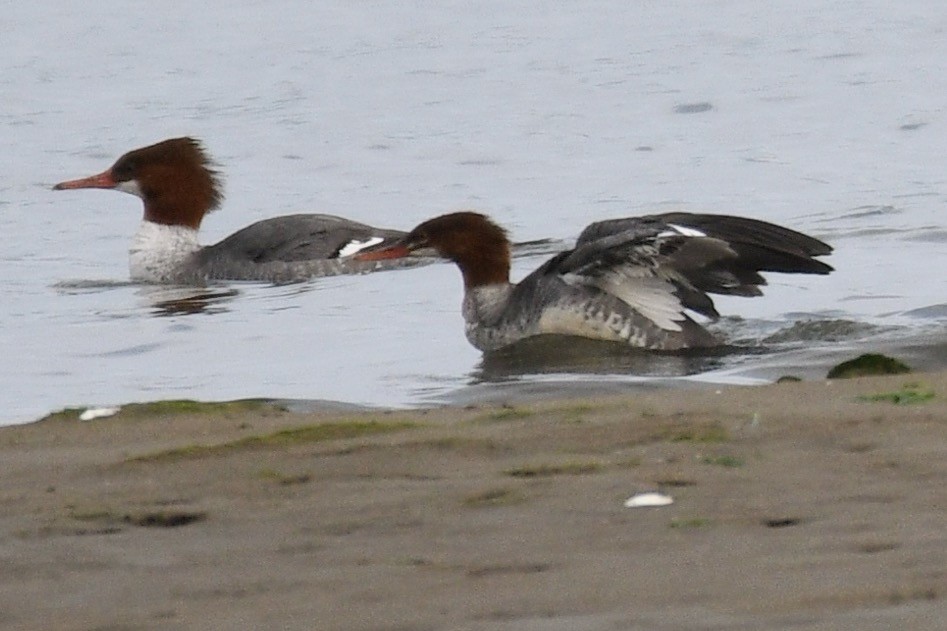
(651, 297)
(681, 231)
(355, 245)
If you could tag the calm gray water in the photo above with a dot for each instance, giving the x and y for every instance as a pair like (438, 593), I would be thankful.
(828, 119)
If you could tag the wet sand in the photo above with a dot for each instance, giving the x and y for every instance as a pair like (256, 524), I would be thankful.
(797, 506)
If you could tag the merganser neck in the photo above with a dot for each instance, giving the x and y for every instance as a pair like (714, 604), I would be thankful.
(483, 310)
(160, 253)
(485, 269)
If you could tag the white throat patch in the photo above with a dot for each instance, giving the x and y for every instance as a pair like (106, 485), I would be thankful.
(131, 187)
(159, 253)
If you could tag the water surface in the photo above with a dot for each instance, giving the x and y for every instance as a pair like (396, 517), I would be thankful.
(830, 119)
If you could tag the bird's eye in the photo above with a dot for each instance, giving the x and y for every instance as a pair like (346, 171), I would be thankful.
(419, 239)
(124, 170)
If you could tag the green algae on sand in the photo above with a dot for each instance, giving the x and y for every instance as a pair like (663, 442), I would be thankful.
(174, 406)
(867, 365)
(282, 438)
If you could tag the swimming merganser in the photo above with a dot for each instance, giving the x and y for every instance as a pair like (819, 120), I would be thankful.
(178, 187)
(627, 280)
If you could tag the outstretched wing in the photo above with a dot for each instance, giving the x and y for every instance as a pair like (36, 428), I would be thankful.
(642, 271)
(757, 246)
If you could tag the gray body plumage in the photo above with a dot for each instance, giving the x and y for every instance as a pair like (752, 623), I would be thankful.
(285, 249)
(635, 280)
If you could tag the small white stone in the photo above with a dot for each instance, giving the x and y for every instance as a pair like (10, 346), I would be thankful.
(92, 413)
(642, 500)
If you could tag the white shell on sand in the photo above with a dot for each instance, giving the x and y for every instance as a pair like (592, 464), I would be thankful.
(642, 500)
(92, 413)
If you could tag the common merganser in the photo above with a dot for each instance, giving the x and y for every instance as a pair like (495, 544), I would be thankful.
(174, 180)
(627, 280)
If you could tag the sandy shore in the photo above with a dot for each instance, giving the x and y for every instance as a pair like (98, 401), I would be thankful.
(797, 506)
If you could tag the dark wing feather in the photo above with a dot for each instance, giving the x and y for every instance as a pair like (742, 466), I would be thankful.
(647, 272)
(743, 229)
(758, 246)
(725, 227)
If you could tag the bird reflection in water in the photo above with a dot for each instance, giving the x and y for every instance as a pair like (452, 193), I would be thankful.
(175, 301)
(550, 354)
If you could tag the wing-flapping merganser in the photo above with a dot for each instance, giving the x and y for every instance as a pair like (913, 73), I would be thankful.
(178, 187)
(626, 280)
